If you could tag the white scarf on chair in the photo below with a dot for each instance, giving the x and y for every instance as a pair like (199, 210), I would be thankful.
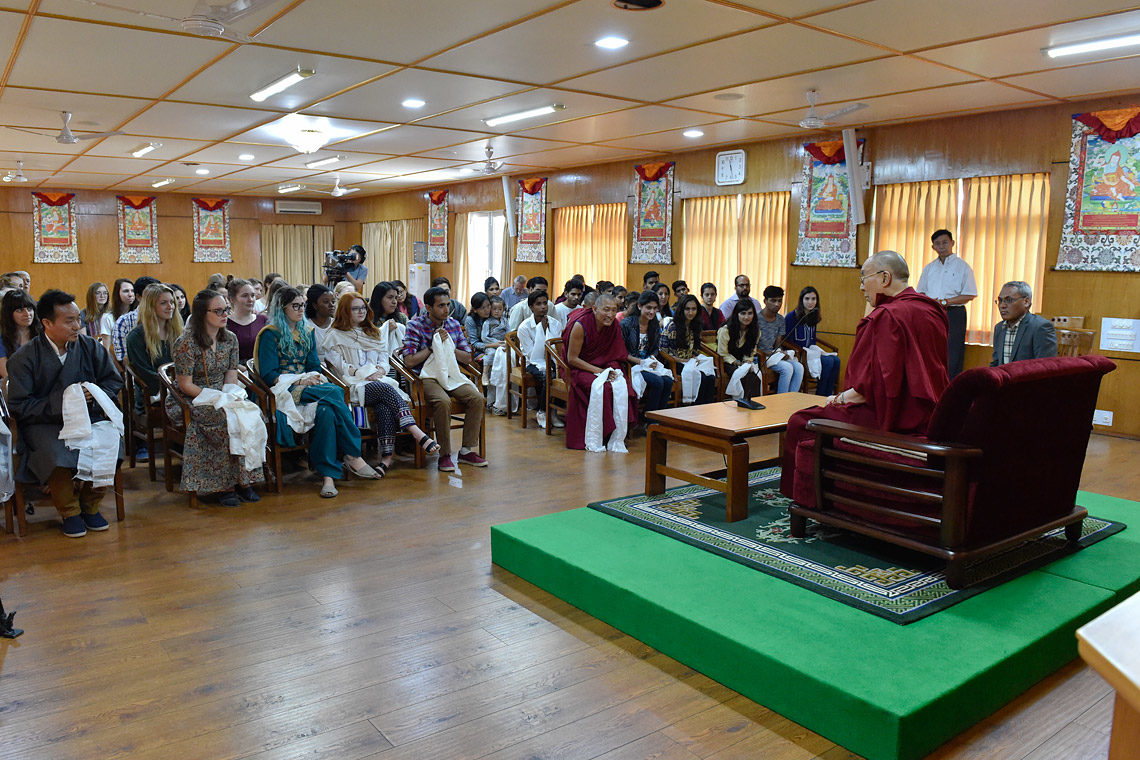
(815, 356)
(691, 373)
(442, 366)
(98, 443)
(735, 387)
(246, 428)
(301, 419)
(7, 479)
(650, 365)
(594, 413)
(499, 373)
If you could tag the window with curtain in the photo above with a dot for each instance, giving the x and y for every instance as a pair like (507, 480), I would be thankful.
(999, 225)
(728, 235)
(485, 250)
(389, 246)
(295, 251)
(591, 241)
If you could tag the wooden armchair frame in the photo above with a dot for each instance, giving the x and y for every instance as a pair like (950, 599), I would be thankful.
(557, 380)
(173, 431)
(519, 381)
(422, 410)
(144, 426)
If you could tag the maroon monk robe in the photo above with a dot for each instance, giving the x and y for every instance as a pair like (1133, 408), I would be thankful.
(602, 348)
(898, 364)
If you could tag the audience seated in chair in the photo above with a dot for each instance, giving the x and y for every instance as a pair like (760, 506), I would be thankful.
(593, 344)
(533, 333)
(353, 346)
(789, 371)
(641, 332)
(433, 321)
(494, 338)
(571, 297)
(244, 320)
(521, 310)
(97, 319)
(148, 348)
(206, 357)
(287, 346)
(129, 320)
(736, 345)
(800, 330)
(18, 325)
(39, 374)
(1021, 335)
(473, 324)
(681, 343)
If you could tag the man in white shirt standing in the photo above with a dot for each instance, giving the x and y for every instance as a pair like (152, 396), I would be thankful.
(950, 282)
(533, 334)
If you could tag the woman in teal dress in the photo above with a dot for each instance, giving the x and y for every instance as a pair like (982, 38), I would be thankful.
(287, 346)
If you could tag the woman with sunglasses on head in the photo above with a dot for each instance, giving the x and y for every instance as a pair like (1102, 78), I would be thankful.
(287, 345)
(244, 321)
(206, 356)
(354, 343)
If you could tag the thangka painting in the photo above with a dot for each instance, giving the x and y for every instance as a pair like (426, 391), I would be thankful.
(138, 229)
(56, 239)
(211, 229)
(437, 226)
(1102, 202)
(827, 230)
(532, 221)
(653, 222)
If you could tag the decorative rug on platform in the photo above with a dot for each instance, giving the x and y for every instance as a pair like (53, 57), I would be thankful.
(894, 583)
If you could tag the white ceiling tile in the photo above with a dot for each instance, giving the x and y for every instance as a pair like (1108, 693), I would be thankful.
(381, 100)
(1110, 76)
(394, 30)
(194, 122)
(1020, 53)
(792, 8)
(24, 107)
(276, 131)
(35, 143)
(180, 170)
(859, 80)
(409, 139)
(266, 174)
(615, 125)
(146, 14)
(738, 130)
(915, 24)
(110, 165)
(403, 165)
(67, 179)
(523, 52)
(577, 105)
(504, 145)
(298, 160)
(122, 145)
(578, 155)
(228, 152)
(40, 162)
(232, 79)
(106, 59)
(774, 51)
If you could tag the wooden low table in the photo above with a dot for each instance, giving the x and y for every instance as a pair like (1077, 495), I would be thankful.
(1110, 644)
(722, 427)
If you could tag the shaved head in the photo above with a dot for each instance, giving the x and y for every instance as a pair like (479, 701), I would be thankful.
(891, 262)
(604, 298)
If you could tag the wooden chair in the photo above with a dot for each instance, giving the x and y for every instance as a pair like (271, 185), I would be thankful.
(557, 380)
(173, 430)
(1072, 341)
(422, 410)
(126, 403)
(144, 425)
(810, 384)
(519, 381)
(15, 508)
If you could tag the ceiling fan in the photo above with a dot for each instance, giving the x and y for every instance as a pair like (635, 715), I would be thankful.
(490, 167)
(337, 191)
(66, 136)
(814, 121)
(206, 20)
(17, 175)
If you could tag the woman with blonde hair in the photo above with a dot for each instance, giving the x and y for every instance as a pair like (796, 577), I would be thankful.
(97, 318)
(149, 344)
(355, 348)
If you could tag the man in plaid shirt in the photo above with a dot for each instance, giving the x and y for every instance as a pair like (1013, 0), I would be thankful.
(433, 319)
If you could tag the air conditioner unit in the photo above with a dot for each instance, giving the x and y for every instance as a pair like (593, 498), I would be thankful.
(297, 207)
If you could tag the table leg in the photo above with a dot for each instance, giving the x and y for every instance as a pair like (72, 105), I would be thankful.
(656, 448)
(736, 498)
(1125, 730)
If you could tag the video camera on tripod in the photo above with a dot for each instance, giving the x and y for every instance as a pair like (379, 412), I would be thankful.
(337, 264)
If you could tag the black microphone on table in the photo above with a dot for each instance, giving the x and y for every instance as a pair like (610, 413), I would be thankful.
(796, 326)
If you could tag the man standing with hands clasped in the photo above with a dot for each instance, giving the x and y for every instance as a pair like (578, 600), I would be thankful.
(950, 281)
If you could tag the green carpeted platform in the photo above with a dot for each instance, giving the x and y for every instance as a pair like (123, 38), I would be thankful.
(876, 688)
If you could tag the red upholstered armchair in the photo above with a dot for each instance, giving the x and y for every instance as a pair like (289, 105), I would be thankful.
(1000, 465)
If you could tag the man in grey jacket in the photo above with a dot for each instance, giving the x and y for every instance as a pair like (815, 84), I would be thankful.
(1021, 335)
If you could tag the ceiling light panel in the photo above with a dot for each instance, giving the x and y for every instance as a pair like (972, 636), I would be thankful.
(411, 139)
(611, 43)
(282, 83)
(413, 103)
(526, 115)
(736, 131)
(382, 99)
(622, 124)
(577, 104)
(120, 146)
(229, 153)
(504, 145)
(526, 46)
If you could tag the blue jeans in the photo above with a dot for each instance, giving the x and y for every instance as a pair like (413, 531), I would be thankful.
(658, 390)
(828, 375)
(791, 376)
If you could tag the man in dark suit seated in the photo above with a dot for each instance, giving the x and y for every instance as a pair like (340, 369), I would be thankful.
(1021, 335)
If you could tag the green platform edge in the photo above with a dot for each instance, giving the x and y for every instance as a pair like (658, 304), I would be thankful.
(884, 691)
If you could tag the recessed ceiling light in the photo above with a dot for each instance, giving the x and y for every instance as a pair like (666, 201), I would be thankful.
(467, 170)
(728, 96)
(414, 103)
(283, 189)
(520, 115)
(1092, 46)
(142, 150)
(246, 157)
(162, 182)
(693, 133)
(611, 43)
(283, 83)
(203, 171)
(323, 162)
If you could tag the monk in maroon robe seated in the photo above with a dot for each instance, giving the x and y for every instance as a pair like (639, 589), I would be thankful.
(896, 373)
(592, 343)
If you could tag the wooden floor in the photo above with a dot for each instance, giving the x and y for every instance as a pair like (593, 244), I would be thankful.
(374, 625)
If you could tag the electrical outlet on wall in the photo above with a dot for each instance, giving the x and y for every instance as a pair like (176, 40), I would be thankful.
(1101, 417)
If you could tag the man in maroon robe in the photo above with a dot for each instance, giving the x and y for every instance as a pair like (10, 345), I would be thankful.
(591, 343)
(896, 374)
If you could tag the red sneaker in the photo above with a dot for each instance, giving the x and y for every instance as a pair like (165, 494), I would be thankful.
(473, 459)
(446, 465)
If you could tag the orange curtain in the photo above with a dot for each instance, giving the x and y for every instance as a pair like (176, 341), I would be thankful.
(906, 214)
(1003, 229)
(727, 235)
(591, 241)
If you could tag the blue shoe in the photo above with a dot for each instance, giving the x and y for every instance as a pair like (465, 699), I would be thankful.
(74, 527)
(94, 521)
(141, 454)
(247, 494)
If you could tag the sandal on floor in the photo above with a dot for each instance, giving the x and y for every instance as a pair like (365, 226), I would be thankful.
(363, 471)
(328, 492)
(381, 469)
(429, 445)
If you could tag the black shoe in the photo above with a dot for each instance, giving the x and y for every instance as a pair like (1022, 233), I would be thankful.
(247, 494)
(229, 499)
